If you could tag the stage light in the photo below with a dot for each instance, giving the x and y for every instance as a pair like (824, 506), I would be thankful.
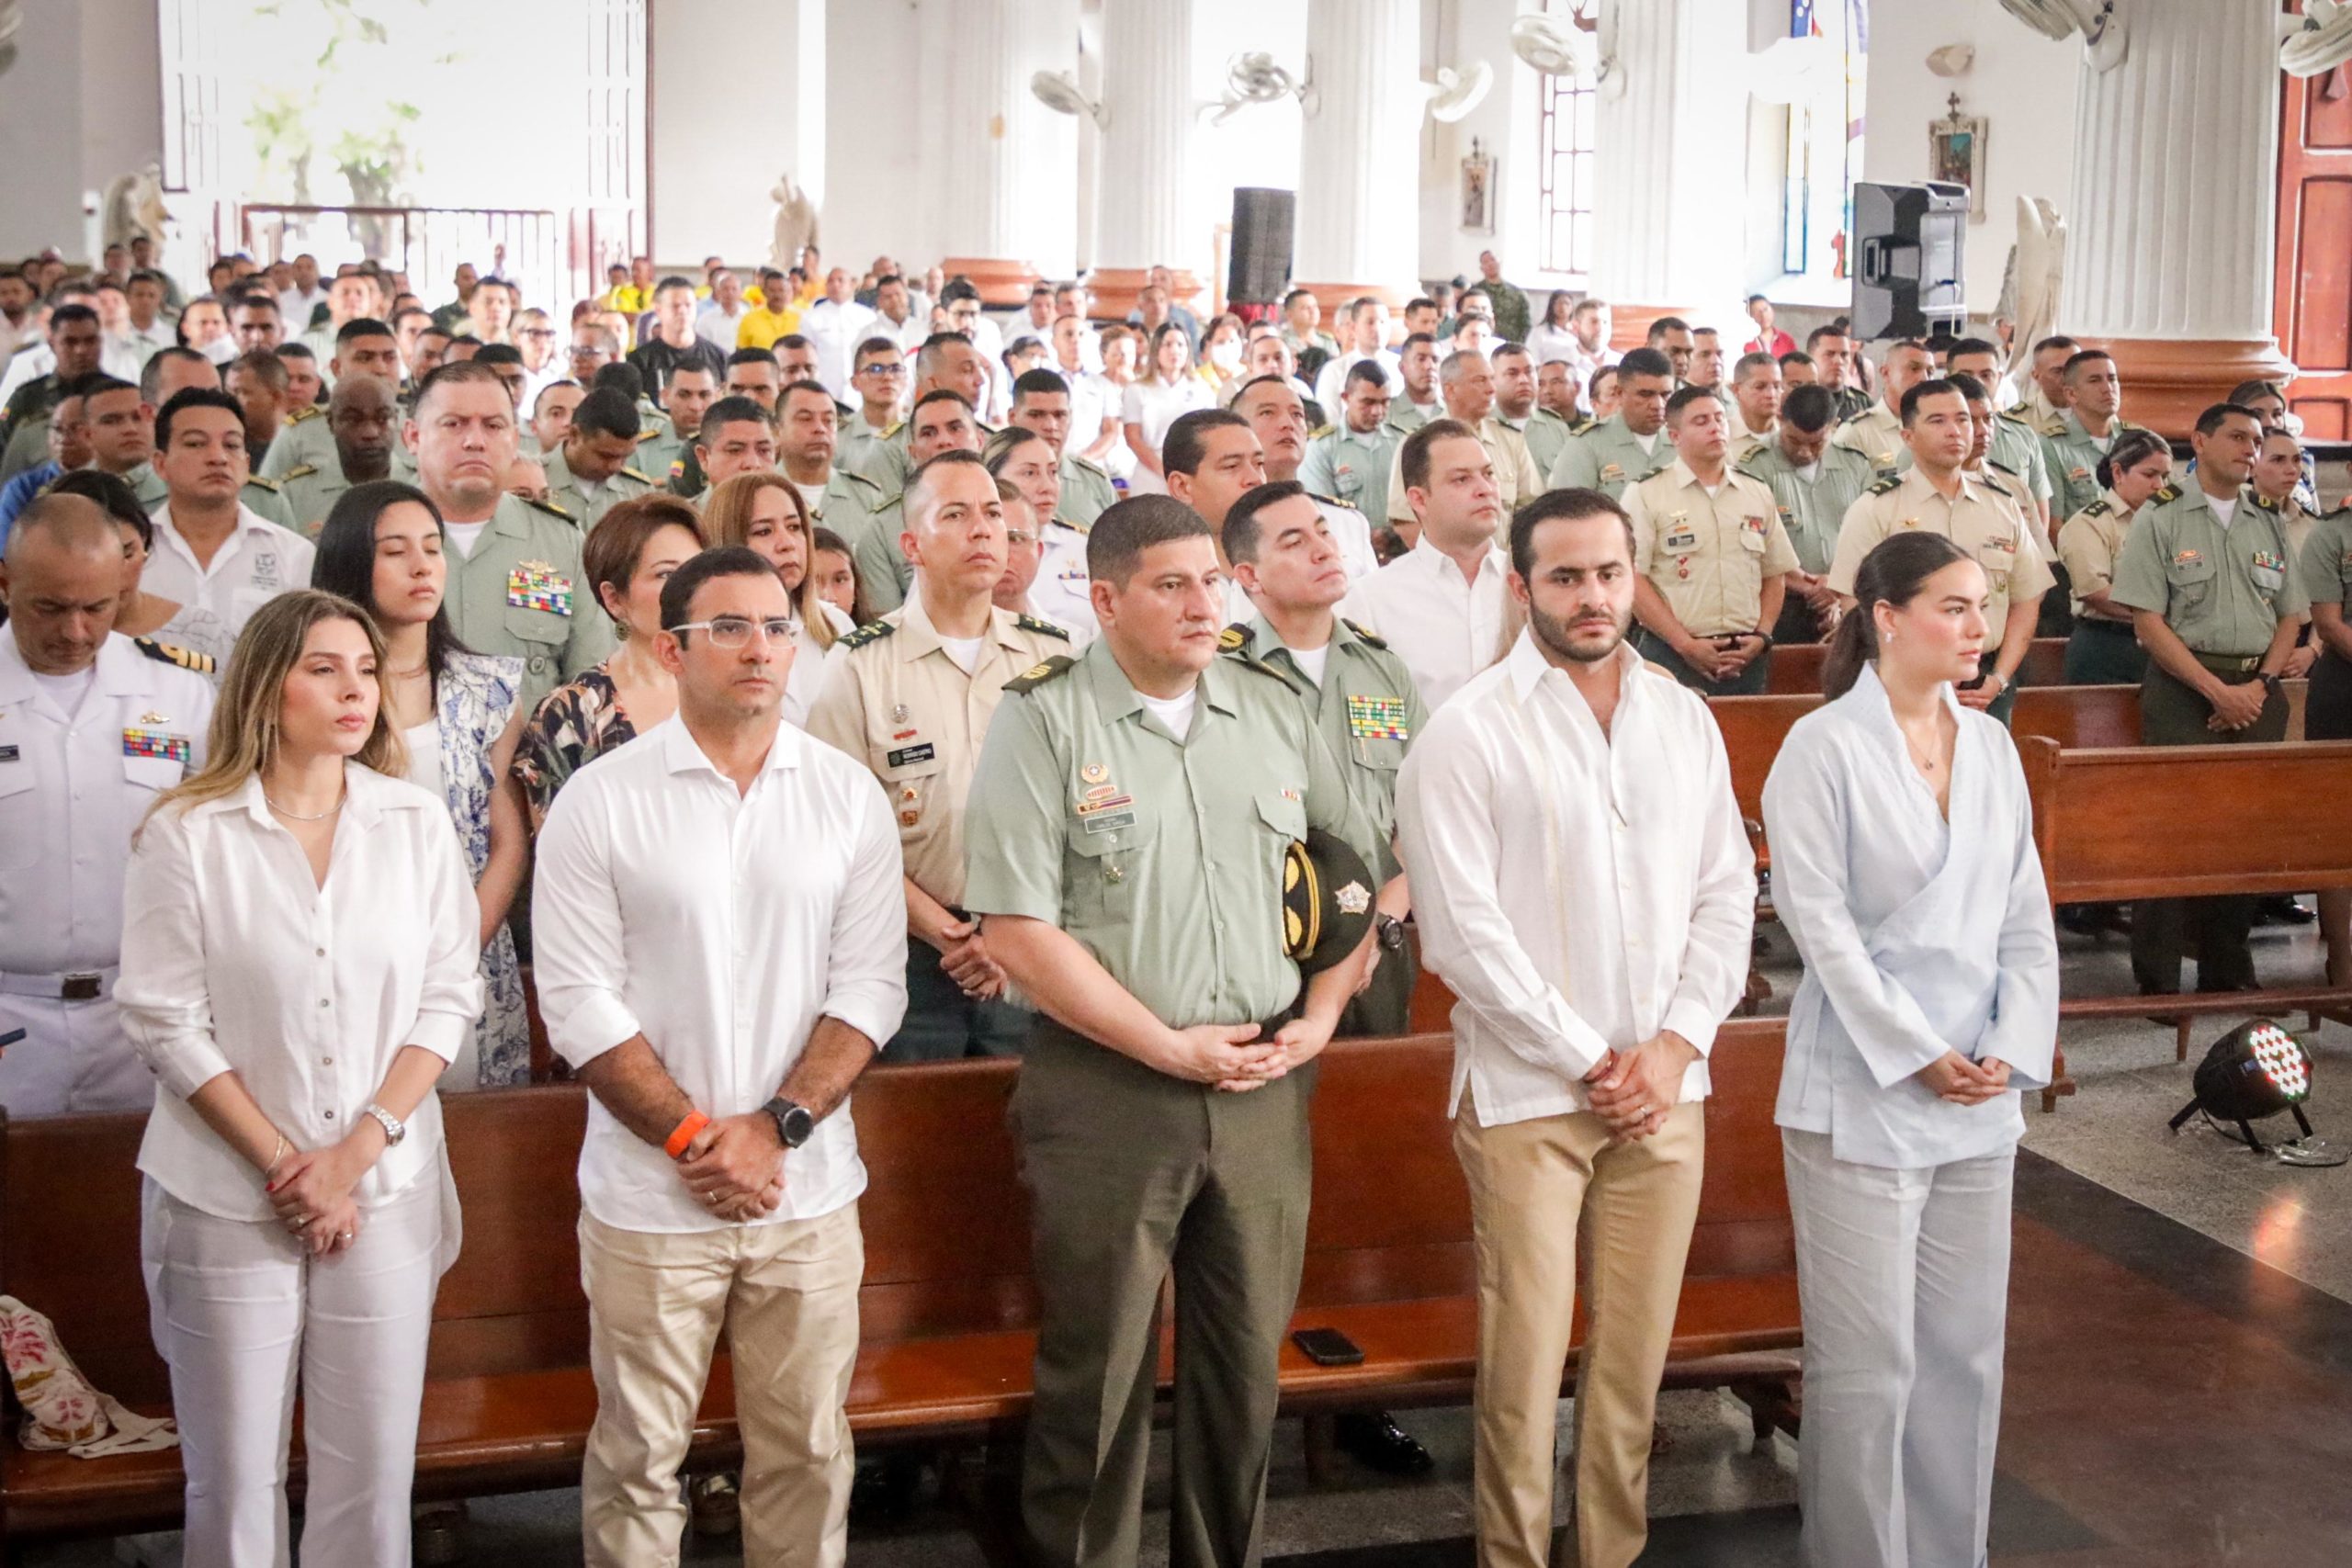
(2257, 1070)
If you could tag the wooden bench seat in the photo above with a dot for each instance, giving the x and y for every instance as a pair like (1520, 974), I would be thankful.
(948, 1308)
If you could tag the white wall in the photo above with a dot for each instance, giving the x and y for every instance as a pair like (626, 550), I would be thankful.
(1506, 124)
(80, 106)
(2022, 82)
(740, 98)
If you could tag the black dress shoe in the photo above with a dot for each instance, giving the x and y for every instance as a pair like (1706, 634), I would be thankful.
(1377, 1440)
(2283, 911)
(883, 1491)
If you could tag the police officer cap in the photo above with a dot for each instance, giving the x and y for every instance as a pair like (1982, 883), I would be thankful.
(1327, 902)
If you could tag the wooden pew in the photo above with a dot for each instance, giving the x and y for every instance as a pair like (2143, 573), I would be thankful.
(948, 1307)
(2152, 822)
(1796, 665)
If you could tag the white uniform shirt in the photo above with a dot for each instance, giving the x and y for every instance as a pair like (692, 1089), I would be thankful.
(1061, 592)
(807, 676)
(72, 788)
(718, 926)
(835, 330)
(239, 960)
(1579, 892)
(1445, 628)
(1332, 382)
(1919, 935)
(253, 565)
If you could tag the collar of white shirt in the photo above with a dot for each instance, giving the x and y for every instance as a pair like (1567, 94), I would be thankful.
(366, 795)
(681, 753)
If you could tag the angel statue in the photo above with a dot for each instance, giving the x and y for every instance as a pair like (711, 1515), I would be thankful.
(796, 223)
(134, 206)
(2029, 294)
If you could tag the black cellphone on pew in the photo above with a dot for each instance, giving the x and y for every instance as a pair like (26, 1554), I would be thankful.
(1327, 1348)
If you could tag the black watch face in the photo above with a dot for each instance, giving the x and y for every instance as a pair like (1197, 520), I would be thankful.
(795, 1124)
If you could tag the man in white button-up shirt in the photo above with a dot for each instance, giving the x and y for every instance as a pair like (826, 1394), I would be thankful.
(211, 551)
(1442, 606)
(1582, 883)
(720, 947)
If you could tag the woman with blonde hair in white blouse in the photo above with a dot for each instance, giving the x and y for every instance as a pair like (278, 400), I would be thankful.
(1904, 866)
(303, 964)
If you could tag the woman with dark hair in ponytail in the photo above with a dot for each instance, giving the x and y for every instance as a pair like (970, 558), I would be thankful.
(1904, 866)
(2101, 650)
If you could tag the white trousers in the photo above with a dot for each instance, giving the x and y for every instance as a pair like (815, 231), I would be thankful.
(1904, 1278)
(243, 1318)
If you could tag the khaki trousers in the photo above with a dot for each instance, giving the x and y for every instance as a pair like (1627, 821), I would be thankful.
(1530, 1184)
(786, 1296)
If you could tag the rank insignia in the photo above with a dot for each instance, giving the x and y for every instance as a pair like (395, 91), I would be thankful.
(156, 743)
(2270, 561)
(151, 717)
(536, 585)
(908, 818)
(1095, 773)
(1377, 719)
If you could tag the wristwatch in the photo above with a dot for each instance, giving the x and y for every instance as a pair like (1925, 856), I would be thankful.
(794, 1124)
(2270, 679)
(394, 1128)
(1391, 932)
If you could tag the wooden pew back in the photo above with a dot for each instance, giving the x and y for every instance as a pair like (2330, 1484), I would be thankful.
(1796, 665)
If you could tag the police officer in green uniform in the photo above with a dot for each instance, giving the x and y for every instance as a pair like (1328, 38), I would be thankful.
(1129, 829)
(516, 583)
(1813, 483)
(1041, 402)
(591, 471)
(1630, 445)
(665, 452)
(946, 362)
(362, 346)
(942, 422)
(2218, 602)
(2078, 436)
(360, 416)
(1350, 460)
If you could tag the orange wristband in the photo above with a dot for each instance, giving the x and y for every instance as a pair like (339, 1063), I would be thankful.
(685, 1133)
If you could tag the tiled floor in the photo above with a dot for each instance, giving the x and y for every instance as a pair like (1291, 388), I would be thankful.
(2179, 1390)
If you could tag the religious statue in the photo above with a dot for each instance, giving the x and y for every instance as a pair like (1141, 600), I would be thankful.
(796, 223)
(134, 206)
(2030, 292)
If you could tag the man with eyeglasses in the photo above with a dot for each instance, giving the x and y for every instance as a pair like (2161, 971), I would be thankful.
(719, 1174)
(947, 362)
(879, 383)
(909, 696)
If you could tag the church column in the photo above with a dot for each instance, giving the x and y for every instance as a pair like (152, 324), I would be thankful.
(1008, 203)
(2172, 222)
(1145, 201)
(1359, 175)
(1669, 229)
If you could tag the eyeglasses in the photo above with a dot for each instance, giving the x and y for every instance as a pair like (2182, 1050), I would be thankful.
(730, 632)
(535, 331)
(880, 368)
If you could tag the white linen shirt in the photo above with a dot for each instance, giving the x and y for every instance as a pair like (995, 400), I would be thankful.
(1579, 892)
(236, 959)
(1445, 628)
(834, 331)
(719, 926)
(1919, 935)
(253, 565)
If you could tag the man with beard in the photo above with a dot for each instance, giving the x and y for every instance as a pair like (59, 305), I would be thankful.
(1585, 1020)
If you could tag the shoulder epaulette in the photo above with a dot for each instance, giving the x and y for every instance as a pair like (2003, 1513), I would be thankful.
(2003, 467)
(2166, 496)
(1320, 432)
(1042, 626)
(1858, 415)
(1886, 486)
(872, 631)
(2015, 417)
(1037, 676)
(308, 411)
(550, 508)
(171, 653)
(299, 471)
(2056, 427)
(1583, 424)
(1334, 500)
(645, 435)
(2096, 509)
(1234, 638)
(857, 478)
(1085, 462)
(1364, 633)
(896, 426)
(628, 473)
(269, 485)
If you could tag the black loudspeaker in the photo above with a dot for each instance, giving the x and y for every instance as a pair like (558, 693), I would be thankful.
(1908, 240)
(1259, 270)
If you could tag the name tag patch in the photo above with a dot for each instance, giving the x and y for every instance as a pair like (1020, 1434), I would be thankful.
(1110, 822)
(152, 743)
(7, 753)
(1377, 719)
(536, 585)
(906, 756)
(1687, 539)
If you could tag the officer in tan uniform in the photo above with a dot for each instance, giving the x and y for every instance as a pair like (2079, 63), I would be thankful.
(2218, 600)
(1711, 557)
(911, 696)
(1877, 432)
(1936, 494)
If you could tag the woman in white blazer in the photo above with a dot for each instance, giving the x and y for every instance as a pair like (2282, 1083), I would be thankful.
(1904, 866)
(300, 965)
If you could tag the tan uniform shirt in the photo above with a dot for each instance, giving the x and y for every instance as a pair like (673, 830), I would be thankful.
(1877, 434)
(1980, 521)
(2087, 544)
(895, 701)
(1708, 553)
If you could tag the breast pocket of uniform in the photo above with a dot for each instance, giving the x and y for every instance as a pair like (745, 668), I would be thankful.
(1997, 564)
(2189, 580)
(2269, 573)
(1283, 815)
(1107, 847)
(21, 838)
(911, 775)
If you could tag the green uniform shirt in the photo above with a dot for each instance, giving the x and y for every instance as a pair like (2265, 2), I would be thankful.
(587, 506)
(884, 459)
(1366, 710)
(304, 438)
(1608, 458)
(310, 492)
(1405, 416)
(1352, 466)
(2223, 590)
(523, 594)
(2324, 568)
(660, 451)
(2017, 448)
(1163, 857)
(1546, 433)
(2071, 454)
(1811, 509)
(847, 506)
(1087, 491)
(882, 569)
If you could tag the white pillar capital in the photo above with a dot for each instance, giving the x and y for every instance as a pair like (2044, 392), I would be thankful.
(1358, 208)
